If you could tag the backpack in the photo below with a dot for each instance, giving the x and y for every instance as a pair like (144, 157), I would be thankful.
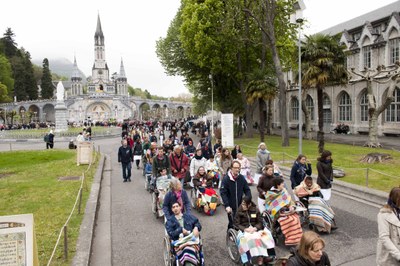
(46, 138)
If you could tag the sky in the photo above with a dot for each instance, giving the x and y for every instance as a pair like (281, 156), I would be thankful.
(64, 29)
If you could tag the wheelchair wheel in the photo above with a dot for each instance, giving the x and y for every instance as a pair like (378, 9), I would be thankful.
(233, 249)
(154, 202)
(169, 259)
(303, 215)
(193, 199)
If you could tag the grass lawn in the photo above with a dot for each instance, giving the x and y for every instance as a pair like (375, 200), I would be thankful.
(382, 176)
(29, 184)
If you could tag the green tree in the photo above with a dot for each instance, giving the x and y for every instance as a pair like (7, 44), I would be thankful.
(323, 64)
(6, 77)
(46, 82)
(8, 44)
(147, 94)
(29, 80)
(261, 88)
(4, 98)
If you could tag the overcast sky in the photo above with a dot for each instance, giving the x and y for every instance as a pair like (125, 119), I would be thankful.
(62, 29)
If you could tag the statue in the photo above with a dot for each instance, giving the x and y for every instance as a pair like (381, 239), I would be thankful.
(60, 91)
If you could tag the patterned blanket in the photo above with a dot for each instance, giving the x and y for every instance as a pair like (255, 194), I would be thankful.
(255, 244)
(208, 199)
(276, 200)
(162, 185)
(291, 228)
(320, 214)
(187, 249)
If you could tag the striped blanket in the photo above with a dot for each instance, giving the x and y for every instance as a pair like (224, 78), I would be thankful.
(256, 244)
(187, 249)
(208, 199)
(276, 200)
(291, 228)
(320, 214)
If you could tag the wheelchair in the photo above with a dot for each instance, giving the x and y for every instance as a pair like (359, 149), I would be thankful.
(233, 249)
(148, 176)
(194, 196)
(273, 225)
(170, 257)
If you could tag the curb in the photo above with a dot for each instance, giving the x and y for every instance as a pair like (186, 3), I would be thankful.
(363, 193)
(86, 232)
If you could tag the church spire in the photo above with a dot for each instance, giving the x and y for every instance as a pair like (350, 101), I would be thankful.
(98, 36)
(122, 70)
(76, 75)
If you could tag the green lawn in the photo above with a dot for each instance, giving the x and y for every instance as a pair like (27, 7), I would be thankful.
(381, 176)
(29, 184)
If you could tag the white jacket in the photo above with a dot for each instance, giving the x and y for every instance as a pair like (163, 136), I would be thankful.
(388, 249)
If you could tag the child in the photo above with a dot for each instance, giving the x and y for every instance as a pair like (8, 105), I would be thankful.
(213, 171)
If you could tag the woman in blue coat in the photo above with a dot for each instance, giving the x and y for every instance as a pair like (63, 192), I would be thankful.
(300, 169)
(176, 194)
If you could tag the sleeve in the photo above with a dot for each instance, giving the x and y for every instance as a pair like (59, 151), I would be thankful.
(131, 154)
(246, 188)
(171, 158)
(166, 209)
(185, 163)
(196, 181)
(321, 174)
(168, 165)
(259, 164)
(309, 169)
(293, 175)
(384, 237)
(224, 192)
(172, 229)
(192, 167)
(186, 202)
(196, 223)
(155, 166)
(259, 185)
(236, 222)
(119, 155)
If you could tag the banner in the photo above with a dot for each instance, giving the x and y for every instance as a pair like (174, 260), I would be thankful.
(227, 130)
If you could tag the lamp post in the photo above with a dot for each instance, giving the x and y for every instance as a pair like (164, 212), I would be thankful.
(212, 107)
(300, 21)
(23, 116)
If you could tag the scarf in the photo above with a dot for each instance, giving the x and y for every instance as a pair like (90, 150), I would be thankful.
(303, 190)
(262, 151)
(178, 195)
(198, 157)
(232, 177)
(396, 209)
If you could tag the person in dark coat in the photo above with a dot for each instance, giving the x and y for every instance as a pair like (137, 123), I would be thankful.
(125, 157)
(235, 151)
(161, 161)
(50, 140)
(300, 169)
(264, 184)
(325, 174)
(190, 223)
(138, 151)
(233, 186)
(176, 194)
(309, 251)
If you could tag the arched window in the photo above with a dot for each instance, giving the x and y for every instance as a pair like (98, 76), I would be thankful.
(394, 46)
(366, 50)
(393, 110)
(294, 106)
(345, 107)
(327, 109)
(310, 106)
(364, 108)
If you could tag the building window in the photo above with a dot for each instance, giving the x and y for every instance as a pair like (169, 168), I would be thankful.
(364, 108)
(367, 56)
(310, 106)
(327, 110)
(394, 45)
(393, 110)
(295, 109)
(345, 107)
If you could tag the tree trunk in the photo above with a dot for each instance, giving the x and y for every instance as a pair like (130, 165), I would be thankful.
(320, 134)
(261, 107)
(307, 119)
(373, 131)
(269, 117)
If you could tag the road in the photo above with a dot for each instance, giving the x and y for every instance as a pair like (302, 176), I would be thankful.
(135, 236)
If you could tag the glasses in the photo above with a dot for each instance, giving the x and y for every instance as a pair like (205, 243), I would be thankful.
(235, 167)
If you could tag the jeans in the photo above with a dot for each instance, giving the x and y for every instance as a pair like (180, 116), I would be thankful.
(137, 163)
(126, 170)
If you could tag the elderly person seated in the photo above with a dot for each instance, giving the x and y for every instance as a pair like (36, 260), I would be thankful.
(256, 243)
(321, 215)
(176, 194)
(183, 229)
(207, 197)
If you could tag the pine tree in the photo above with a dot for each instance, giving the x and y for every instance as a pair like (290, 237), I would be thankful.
(29, 78)
(9, 45)
(47, 85)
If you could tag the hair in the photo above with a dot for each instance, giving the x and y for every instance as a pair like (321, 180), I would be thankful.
(176, 202)
(247, 200)
(198, 150)
(307, 242)
(162, 169)
(269, 162)
(176, 147)
(277, 181)
(324, 155)
(235, 161)
(265, 168)
(300, 156)
(198, 170)
(308, 177)
(394, 196)
(223, 156)
(262, 143)
(174, 183)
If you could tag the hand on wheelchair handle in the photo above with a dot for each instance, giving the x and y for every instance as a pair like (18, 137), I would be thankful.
(228, 209)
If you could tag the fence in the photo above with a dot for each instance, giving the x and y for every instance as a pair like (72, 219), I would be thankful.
(78, 203)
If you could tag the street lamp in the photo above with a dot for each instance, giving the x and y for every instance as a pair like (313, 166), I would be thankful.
(23, 116)
(300, 22)
(212, 106)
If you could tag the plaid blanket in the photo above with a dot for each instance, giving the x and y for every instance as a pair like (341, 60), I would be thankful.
(320, 214)
(276, 200)
(208, 199)
(187, 249)
(256, 244)
(291, 228)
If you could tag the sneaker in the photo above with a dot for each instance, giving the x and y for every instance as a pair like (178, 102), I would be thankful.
(129, 179)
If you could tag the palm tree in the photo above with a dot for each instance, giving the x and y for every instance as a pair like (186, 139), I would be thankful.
(261, 88)
(323, 64)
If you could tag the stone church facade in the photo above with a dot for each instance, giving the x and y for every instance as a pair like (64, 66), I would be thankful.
(372, 39)
(106, 97)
